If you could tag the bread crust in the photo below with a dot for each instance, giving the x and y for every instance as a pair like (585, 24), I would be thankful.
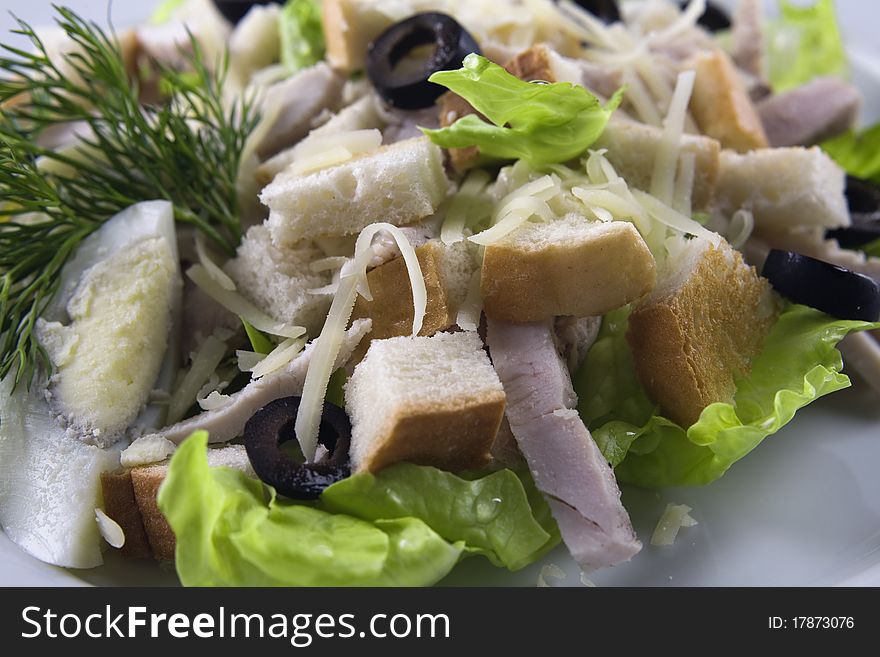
(689, 346)
(121, 505)
(422, 435)
(146, 482)
(721, 104)
(578, 278)
(391, 308)
(130, 500)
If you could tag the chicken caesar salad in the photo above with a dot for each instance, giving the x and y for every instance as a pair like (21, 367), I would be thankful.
(343, 292)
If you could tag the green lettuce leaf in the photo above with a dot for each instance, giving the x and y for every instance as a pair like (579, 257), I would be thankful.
(231, 530)
(805, 43)
(871, 249)
(491, 515)
(302, 34)
(539, 123)
(857, 153)
(165, 10)
(798, 364)
(259, 342)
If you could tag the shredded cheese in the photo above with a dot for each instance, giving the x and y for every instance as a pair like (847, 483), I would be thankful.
(452, 230)
(687, 20)
(247, 360)
(673, 519)
(675, 220)
(213, 269)
(518, 207)
(238, 305)
(205, 361)
(468, 317)
(640, 97)
(278, 357)
(110, 529)
(213, 401)
(742, 223)
(326, 349)
(323, 151)
(666, 160)
(682, 198)
(549, 570)
(353, 279)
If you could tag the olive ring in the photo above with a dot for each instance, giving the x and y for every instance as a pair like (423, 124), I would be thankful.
(411, 89)
(273, 425)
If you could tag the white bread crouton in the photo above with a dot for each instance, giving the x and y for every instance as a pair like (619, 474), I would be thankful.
(569, 266)
(700, 329)
(721, 104)
(433, 401)
(784, 188)
(632, 148)
(447, 272)
(130, 500)
(277, 279)
(399, 184)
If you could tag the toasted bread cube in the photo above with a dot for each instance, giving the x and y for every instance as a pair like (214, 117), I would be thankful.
(700, 329)
(121, 505)
(433, 401)
(399, 184)
(446, 270)
(130, 499)
(570, 266)
(721, 104)
(784, 188)
(632, 148)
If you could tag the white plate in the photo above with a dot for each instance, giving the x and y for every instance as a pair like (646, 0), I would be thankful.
(802, 509)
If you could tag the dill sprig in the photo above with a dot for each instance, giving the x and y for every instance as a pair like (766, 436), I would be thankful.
(185, 150)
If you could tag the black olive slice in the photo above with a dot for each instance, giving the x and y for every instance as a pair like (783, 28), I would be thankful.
(714, 19)
(273, 425)
(834, 290)
(863, 199)
(234, 10)
(605, 10)
(406, 86)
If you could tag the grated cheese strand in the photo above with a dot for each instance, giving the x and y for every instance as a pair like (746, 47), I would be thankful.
(675, 220)
(238, 305)
(452, 230)
(682, 198)
(205, 362)
(468, 317)
(413, 269)
(685, 21)
(280, 356)
(673, 519)
(213, 269)
(666, 161)
(326, 349)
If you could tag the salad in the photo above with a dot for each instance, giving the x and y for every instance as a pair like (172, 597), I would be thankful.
(343, 293)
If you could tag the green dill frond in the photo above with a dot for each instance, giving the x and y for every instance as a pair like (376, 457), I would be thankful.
(186, 150)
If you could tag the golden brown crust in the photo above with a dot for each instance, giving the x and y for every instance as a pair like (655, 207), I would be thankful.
(531, 64)
(333, 22)
(721, 104)
(391, 308)
(690, 346)
(450, 437)
(574, 278)
(146, 482)
(121, 506)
